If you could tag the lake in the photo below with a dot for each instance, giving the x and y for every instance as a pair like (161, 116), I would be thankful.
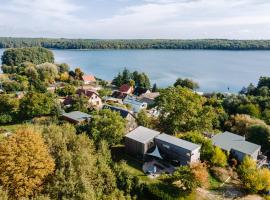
(214, 70)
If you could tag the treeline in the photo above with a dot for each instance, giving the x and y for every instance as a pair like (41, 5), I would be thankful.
(221, 44)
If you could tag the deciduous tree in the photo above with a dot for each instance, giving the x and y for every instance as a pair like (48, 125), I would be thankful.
(25, 163)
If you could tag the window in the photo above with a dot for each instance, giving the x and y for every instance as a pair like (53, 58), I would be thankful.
(166, 146)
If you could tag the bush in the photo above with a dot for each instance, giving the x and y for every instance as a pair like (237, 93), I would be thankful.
(5, 118)
(201, 174)
(253, 179)
(219, 158)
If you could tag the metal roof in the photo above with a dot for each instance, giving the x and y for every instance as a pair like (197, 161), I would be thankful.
(123, 112)
(142, 134)
(178, 142)
(228, 141)
(77, 116)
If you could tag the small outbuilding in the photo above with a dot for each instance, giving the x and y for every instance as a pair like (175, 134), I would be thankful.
(175, 149)
(140, 140)
(236, 145)
(76, 117)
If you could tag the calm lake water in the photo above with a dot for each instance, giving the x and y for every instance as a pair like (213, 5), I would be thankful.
(214, 70)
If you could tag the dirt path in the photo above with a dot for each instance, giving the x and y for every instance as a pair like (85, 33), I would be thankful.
(228, 194)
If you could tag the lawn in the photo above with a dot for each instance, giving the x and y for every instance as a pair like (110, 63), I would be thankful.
(11, 127)
(214, 183)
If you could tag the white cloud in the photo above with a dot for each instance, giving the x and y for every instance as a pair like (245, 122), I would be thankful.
(143, 19)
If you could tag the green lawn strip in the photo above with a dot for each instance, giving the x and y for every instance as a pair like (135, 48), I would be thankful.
(214, 183)
(11, 127)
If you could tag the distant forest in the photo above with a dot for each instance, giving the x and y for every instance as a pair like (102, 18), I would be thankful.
(221, 44)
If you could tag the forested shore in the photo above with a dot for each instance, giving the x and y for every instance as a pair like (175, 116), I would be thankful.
(215, 44)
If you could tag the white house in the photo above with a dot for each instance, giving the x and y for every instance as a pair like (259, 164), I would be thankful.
(135, 104)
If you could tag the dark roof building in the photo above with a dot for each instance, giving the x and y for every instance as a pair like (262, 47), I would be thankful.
(123, 112)
(236, 145)
(140, 140)
(119, 95)
(139, 91)
(176, 149)
(76, 117)
(131, 120)
(88, 93)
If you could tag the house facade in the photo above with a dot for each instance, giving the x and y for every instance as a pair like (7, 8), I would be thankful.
(126, 89)
(178, 150)
(94, 99)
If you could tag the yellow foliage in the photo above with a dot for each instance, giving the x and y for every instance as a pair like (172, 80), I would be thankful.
(64, 76)
(24, 163)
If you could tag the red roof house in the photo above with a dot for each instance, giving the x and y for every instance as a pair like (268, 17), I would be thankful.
(126, 89)
(87, 79)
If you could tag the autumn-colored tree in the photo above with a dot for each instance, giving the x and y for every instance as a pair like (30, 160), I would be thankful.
(3, 194)
(240, 123)
(25, 162)
(183, 178)
(254, 179)
(219, 158)
(200, 172)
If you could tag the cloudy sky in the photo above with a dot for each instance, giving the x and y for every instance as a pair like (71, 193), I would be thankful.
(183, 19)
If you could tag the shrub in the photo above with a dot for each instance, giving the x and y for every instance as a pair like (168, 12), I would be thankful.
(219, 158)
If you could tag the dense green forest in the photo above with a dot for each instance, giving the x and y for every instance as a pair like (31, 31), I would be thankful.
(222, 44)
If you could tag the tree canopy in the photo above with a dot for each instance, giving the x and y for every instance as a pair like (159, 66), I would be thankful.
(188, 83)
(182, 110)
(126, 77)
(107, 125)
(36, 55)
(25, 163)
(222, 44)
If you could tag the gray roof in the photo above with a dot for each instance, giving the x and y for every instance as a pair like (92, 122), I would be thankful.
(142, 134)
(178, 142)
(228, 141)
(77, 116)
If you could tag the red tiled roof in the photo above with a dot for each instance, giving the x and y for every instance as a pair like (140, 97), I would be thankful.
(89, 78)
(125, 88)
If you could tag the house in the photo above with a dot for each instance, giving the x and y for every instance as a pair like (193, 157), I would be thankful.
(127, 115)
(76, 117)
(149, 98)
(135, 104)
(88, 79)
(126, 89)
(140, 91)
(236, 145)
(94, 99)
(140, 140)
(119, 95)
(175, 149)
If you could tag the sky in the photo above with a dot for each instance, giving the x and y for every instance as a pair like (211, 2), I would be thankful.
(136, 19)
